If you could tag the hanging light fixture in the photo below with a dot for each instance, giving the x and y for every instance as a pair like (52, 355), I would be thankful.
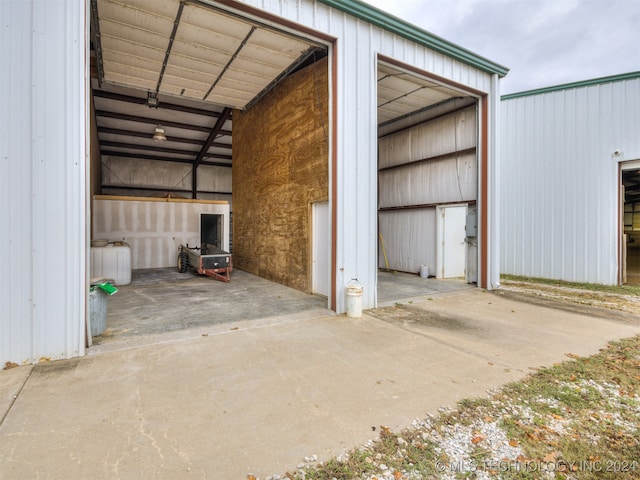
(159, 135)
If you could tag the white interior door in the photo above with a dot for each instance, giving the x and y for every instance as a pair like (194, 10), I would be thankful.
(320, 248)
(452, 249)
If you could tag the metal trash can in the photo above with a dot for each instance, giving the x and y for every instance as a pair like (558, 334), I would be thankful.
(98, 294)
(354, 292)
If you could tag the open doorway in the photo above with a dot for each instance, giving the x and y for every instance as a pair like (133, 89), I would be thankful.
(172, 86)
(630, 198)
(427, 170)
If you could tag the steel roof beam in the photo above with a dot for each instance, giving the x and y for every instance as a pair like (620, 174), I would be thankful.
(162, 105)
(155, 121)
(113, 153)
(131, 133)
(149, 148)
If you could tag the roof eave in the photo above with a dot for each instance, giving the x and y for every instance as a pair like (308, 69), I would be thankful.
(370, 14)
(568, 86)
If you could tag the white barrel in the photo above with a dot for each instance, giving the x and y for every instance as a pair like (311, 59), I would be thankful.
(354, 298)
(424, 271)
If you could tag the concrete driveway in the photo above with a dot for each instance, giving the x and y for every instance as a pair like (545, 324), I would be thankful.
(258, 397)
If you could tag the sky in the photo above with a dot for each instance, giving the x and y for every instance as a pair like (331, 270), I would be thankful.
(542, 42)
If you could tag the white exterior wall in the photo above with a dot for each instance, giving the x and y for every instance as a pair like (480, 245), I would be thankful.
(42, 180)
(357, 48)
(560, 179)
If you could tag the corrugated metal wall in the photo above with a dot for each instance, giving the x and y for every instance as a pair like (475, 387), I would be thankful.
(409, 236)
(359, 43)
(171, 177)
(560, 180)
(42, 180)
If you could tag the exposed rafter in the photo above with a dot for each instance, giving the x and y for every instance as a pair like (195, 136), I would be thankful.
(114, 153)
(215, 131)
(163, 105)
(155, 121)
(131, 133)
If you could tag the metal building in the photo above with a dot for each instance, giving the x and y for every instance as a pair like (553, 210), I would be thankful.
(567, 155)
(385, 77)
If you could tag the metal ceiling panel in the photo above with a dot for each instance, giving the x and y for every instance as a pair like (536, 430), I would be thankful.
(279, 44)
(191, 50)
(401, 93)
(246, 66)
(209, 20)
(212, 40)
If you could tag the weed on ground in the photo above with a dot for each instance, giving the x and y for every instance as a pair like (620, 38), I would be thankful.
(578, 419)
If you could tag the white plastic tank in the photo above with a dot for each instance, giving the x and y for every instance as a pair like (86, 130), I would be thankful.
(112, 262)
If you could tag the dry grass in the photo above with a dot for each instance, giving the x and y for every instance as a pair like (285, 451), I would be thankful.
(576, 420)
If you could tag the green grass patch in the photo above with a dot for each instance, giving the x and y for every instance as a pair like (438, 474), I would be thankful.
(594, 287)
(576, 420)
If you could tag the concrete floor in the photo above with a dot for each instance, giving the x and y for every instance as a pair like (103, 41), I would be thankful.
(394, 286)
(163, 304)
(256, 397)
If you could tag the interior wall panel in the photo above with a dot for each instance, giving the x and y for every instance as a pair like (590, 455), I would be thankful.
(443, 135)
(154, 228)
(438, 181)
(145, 173)
(406, 180)
(408, 239)
(214, 179)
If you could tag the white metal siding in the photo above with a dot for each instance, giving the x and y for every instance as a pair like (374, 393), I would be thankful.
(559, 206)
(356, 50)
(42, 180)
(43, 130)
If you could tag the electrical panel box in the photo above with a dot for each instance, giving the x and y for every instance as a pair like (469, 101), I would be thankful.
(471, 227)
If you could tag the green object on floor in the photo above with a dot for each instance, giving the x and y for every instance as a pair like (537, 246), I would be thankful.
(106, 287)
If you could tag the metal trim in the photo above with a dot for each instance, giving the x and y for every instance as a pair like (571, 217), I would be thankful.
(395, 25)
(568, 86)
(167, 53)
(97, 43)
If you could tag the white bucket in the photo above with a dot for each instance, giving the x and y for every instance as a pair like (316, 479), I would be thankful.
(354, 298)
(424, 271)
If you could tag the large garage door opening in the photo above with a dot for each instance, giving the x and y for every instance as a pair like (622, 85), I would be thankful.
(427, 186)
(205, 118)
(630, 258)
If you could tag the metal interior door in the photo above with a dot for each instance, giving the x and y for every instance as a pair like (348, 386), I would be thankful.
(320, 248)
(452, 255)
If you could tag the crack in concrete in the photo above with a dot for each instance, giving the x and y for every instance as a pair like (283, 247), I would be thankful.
(15, 398)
